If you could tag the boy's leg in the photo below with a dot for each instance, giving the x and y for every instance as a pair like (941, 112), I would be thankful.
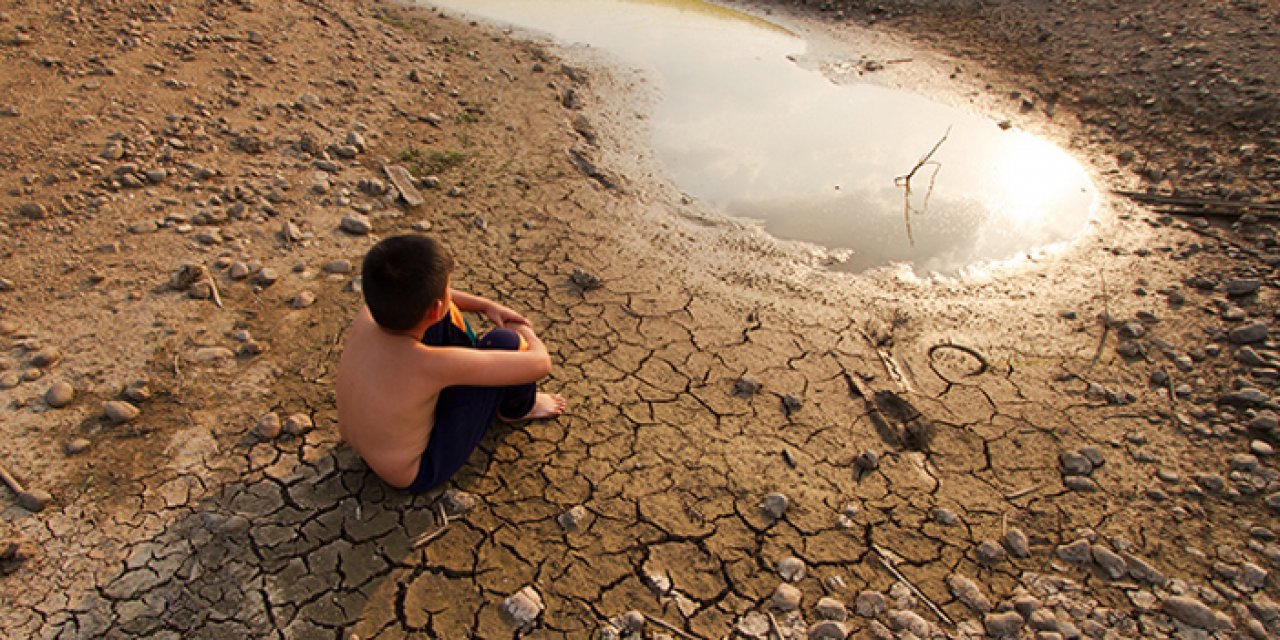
(463, 414)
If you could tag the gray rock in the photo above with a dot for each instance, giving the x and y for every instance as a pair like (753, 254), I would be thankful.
(1016, 542)
(457, 502)
(585, 280)
(569, 520)
(1250, 333)
(137, 391)
(10, 379)
(1197, 614)
(989, 553)
(831, 609)
(1078, 552)
(945, 517)
(966, 590)
(1250, 358)
(1002, 625)
(828, 630)
(45, 358)
(1093, 455)
(60, 394)
(791, 403)
(523, 607)
(786, 598)
(775, 504)
(297, 424)
(1251, 577)
(791, 569)
(868, 460)
(1109, 561)
(266, 277)
(1080, 484)
(32, 210)
(746, 386)
(356, 225)
(268, 427)
(337, 266)
(302, 300)
(901, 619)
(119, 411)
(870, 604)
(1242, 287)
(1075, 464)
(34, 500)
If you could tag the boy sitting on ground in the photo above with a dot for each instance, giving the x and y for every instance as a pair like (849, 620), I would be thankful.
(416, 390)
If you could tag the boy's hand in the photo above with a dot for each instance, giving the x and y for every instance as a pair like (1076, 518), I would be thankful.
(501, 316)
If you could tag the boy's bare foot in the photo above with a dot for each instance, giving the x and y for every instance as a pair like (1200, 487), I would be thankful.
(546, 405)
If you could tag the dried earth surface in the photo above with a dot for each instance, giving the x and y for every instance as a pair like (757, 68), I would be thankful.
(1082, 446)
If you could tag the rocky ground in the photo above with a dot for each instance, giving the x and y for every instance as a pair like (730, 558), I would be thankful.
(755, 446)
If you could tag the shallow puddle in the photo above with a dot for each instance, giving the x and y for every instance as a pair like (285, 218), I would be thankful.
(743, 127)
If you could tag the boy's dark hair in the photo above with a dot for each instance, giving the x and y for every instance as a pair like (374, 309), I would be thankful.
(402, 277)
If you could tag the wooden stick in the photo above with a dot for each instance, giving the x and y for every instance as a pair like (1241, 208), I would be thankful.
(773, 625)
(213, 286)
(671, 627)
(883, 556)
(426, 538)
(1021, 492)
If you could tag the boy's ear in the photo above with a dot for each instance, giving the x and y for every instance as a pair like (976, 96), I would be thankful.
(437, 310)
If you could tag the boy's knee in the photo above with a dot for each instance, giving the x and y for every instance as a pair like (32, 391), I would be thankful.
(505, 339)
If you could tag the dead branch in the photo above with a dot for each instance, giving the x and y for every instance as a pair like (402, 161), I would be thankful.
(905, 182)
(671, 627)
(883, 556)
(426, 538)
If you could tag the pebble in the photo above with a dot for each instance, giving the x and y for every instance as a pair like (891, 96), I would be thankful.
(45, 358)
(1017, 543)
(523, 607)
(1243, 287)
(60, 394)
(831, 609)
(966, 590)
(753, 625)
(266, 277)
(1002, 625)
(268, 427)
(791, 403)
(208, 355)
(631, 622)
(791, 569)
(870, 604)
(137, 391)
(1078, 552)
(786, 598)
(868, 460)
(746, 386)
(76, 446)
(1193, 612)
(1075, 464)
(297, 424)
(233, 525)
(337, 266)
(119, 411)
(1247, 334)
(302, 300)
(10, 379)
(457, 502)
(1261, 448)
(990, 553)
(32, 210)
(34, 500)
(356, 225)
(945, 517)
(775, 504)
(238, 271)
(1110, 561)
(1080, 484)
(901, 619)
(828, 630)
(569, 520)
(584, 280)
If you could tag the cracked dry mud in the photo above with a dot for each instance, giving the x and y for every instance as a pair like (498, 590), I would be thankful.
(977, 469)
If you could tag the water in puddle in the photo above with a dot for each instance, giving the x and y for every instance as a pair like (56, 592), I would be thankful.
(743, 127)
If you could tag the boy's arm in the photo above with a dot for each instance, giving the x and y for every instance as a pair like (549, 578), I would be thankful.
(494, 367)
(498, 314)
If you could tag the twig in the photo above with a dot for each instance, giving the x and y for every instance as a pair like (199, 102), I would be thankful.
(905, 183)
(883, 556)
(1106, 324)
(213, 287)
(426, 538)
(671, 627)
(983, 364)
(773, 625)
(1021, 492)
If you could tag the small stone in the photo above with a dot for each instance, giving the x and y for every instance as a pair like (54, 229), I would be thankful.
(76, 446)
(746, 386)
(775, 504)
(266, 277)
(60, 394)
(1242, 287)
(1247, 334)
(1197, 614)
(356, 225)
(32, 210)
(302, 300)
(966, 590)
(569, 520)
(1075, 464)
(945, 517)
(870, 604)
(238, 271)
(791, 569)
(297, 424)
(233, 525)
(1080, 484)
(1261, 449)
(1002, 625)
(337, 266)
(791, 403)
(584, 280)
(137, 391)
(868, 460)
(1078, 552)
(268, 427)
(523, 607)
(119, 411)
(1140, 569)
(10, 379)
(1093, 455)
(828, 630)
(1017, 543)
(45, 358)
(207, 355)
(1251, 577)
(631, 622)
(457, 502)
(903, 620)
(786, 598)
(753, 625)
(1109, 561)
(990, 553)
(34, 500)
(831, 609)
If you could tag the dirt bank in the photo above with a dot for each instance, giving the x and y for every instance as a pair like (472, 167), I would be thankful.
(1081, 445)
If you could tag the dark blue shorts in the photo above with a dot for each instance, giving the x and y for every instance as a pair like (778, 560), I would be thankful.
(463, 414)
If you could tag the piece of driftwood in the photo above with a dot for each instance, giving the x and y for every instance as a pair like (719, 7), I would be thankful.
(885, 559)
(403, 182)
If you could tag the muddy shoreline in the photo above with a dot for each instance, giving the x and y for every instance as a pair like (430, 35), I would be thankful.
(1080, 446)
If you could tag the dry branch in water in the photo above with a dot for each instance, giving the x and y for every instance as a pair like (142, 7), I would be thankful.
(905, 183)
